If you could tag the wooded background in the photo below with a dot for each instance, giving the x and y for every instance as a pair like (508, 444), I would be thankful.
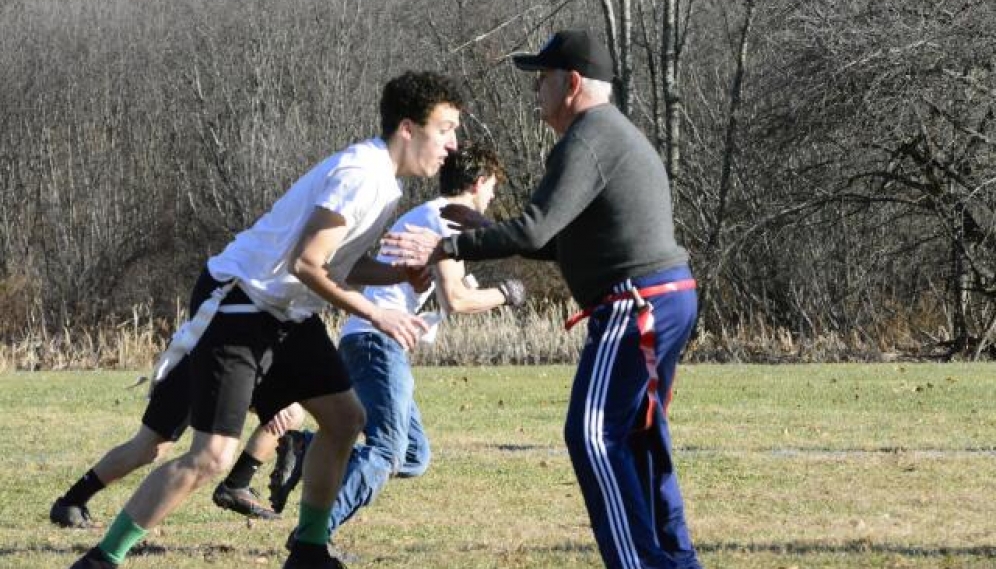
(832, 161)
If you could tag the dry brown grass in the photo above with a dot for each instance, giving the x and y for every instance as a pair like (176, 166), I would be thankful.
(532, 335)
(131, 344)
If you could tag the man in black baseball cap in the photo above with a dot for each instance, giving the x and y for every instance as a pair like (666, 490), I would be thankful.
(602, 212)
(574, 74)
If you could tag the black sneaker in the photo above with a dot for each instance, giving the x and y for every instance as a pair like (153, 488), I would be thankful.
(340, 554)
(287, 468)
(310, 556)
(69, 515)
(94, 559)
(244, 501)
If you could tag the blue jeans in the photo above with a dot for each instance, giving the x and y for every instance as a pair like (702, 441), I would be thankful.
(395, 443)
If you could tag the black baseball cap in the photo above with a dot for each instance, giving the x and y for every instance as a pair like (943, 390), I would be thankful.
(571, 50)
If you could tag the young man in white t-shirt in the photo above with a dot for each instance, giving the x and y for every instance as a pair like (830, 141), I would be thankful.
(395, 442)
(266, 347)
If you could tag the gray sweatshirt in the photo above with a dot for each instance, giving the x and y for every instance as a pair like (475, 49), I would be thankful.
(602, 210)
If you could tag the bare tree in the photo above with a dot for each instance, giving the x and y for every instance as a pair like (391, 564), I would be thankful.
(888, 107)
(719, 221)
(619, 33)
(832, 162)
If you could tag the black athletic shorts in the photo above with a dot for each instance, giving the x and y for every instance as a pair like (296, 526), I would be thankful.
(246, 360)
(168, 411)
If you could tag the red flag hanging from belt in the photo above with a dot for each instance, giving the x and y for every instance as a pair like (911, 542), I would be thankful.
(645, 324)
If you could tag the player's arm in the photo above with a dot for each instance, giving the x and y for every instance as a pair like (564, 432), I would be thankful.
(369, 271)
(322, 235)
(460, 298)
(571, 182)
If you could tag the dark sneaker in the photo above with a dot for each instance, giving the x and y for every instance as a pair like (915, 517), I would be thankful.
(341, 555)
(244, 501)
(94, 559)
(69, 515)
(309, 556)
(287, 468)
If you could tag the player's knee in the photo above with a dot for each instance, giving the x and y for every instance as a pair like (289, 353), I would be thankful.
(145, 450)
(213, 468)
(207, 465)
(349, 419)
(355, 418)
(414, 469)
(416, 461)
(341, 415)
(575, 439)
(423, 462)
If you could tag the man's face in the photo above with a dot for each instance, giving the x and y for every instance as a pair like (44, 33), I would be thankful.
(550, 89)
(431, 142)
(485, 193)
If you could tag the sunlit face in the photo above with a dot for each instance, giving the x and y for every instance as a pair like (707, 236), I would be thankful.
(431, 142)
(551, 89)
(485, 193)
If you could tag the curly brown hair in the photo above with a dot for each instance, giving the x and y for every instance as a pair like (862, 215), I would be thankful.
(413, 95)
(465, 165)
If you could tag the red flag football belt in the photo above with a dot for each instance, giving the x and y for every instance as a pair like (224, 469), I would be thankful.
(645, 324)
(643, 293)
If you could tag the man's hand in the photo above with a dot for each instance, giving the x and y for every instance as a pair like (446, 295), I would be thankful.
(464, 218)
(514, 291)
(400, 325)
(280, 423)
(414, 247)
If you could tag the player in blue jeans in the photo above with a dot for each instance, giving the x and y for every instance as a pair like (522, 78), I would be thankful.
(395, 441)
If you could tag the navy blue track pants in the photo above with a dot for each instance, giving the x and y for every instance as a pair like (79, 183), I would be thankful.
(624, 467)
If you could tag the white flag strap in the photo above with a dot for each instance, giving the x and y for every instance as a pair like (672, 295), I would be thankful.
(239, 309)
(187, 336)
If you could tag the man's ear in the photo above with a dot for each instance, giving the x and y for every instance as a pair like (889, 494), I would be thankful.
(476, 186)
(406, 128)
(573, 84)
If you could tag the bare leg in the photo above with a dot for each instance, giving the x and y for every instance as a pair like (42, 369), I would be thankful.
(340, 420)
(145, 447)
(168, 486)
(262, 445)
(235, 492)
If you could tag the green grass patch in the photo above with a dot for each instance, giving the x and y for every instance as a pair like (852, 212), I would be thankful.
(821, 466)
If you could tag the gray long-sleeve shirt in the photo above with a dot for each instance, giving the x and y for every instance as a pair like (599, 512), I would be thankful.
(602, 210)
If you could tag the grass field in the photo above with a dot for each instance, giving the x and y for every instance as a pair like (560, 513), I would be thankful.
(843, 466)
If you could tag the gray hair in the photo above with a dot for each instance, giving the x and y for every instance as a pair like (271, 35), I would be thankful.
(596, 89)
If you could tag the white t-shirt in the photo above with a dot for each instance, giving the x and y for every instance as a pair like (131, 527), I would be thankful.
(358, 183)
(402, 296)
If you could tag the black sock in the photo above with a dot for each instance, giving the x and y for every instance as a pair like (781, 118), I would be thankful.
(84, 489)
(243, 471)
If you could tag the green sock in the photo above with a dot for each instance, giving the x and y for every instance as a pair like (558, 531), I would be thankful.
(121, 537)
(313, 524)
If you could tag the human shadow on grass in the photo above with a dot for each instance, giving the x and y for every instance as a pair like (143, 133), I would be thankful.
(805, 548)
(520, 448)
(852, 546)
(208, 551)
(146, 549)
